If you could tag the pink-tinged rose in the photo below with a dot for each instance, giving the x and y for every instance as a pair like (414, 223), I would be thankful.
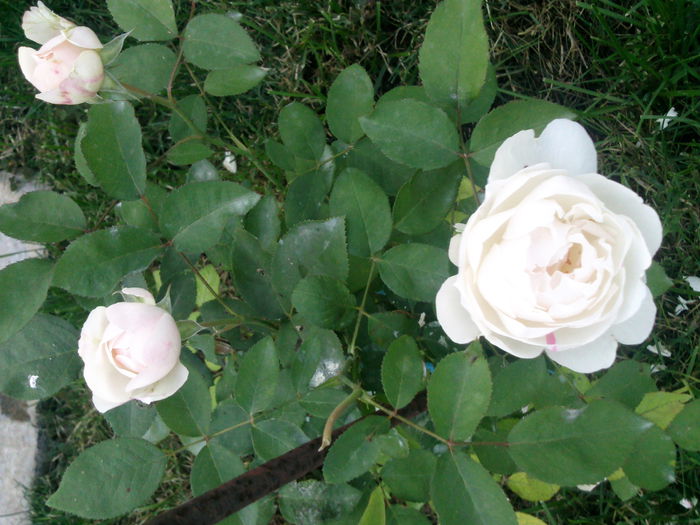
(554, 259)
(131, 350)
(67, 69)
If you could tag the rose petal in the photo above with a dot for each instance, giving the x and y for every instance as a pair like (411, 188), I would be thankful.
(166, 387)
(454, 319)
(103, 405)
(514, 347)
(594, 356)
(91, 333)
(565, 144)
(27, 63)
(622, 200)
(638, 327)
(453, 251)
(516, 153)
(83, 37)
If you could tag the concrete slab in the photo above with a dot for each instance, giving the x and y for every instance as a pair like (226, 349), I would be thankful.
(18, 432)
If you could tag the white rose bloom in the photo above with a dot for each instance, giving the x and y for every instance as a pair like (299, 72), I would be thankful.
(131, 350)
(554, 259)
(67, 69)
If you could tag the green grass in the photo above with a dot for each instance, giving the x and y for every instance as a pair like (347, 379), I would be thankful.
(621, 65)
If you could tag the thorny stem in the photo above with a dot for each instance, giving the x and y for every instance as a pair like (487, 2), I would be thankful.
(208, 287)
(361, 310)
(337, 412)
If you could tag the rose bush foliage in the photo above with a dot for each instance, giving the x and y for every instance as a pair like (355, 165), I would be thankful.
(282, 316)
(555, 257)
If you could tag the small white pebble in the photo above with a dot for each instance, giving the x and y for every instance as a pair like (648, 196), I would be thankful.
(665, 121)
(694, 282)
(659, 350)
(230, 163)
(688, 503)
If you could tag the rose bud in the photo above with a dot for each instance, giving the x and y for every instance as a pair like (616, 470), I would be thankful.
(67, 69)
(131, 350)
(554, 259)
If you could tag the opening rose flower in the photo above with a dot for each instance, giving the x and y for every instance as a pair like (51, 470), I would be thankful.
(554, 259)
(67, 69)
(131, 350)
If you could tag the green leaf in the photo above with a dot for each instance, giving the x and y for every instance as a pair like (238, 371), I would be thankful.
(280, 155)
(324, 301)
(423, 202)
(188, 152)
(93, 264)
(312, 502)
(320, 402)
(531, 489)
(685, 427)
(263, 222)
(257, 377)
(146, 19)
(319, 358)
(24, 286)
(234, 80)
(657, 280)
(385, 327)
(575, 446)
(459, 393)
(398, 515)
(375, 513)
(213, 466)
(517, 385)
(213, 41)
(146, 67)
(478, 107)
(275, 437)
(661, 407)
(310, 248)
(113, 152)
(42, 216)
(229, 414)
(506, 120)
(131, 419)
(623, 488)
(464, 492)
(355, 451)
(302, 131)
(194, 215)
(403, 92)
(251, 276)
(81, 164)
(413, 133)
(402, 371)
(366, 210)
(110, 479)
(195, 110)
(367, 157)
(414, 271)
(626, 382)
(455, 54)
(350, 97)
(494, 458)
(188, 411)
(409, 478)
(305, 199)
(40, 359)
(139, 214)
(651, 464)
